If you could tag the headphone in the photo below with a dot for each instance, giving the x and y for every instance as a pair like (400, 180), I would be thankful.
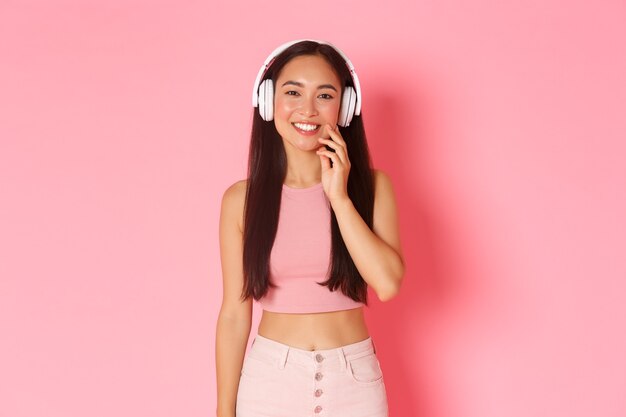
(263, 94)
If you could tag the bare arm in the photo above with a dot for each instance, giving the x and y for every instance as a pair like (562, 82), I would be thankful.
(235, 317)
(377, 254)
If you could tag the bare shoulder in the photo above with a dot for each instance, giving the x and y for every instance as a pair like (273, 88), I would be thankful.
(237, 190)
(233, 201)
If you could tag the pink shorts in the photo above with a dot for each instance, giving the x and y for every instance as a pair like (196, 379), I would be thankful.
(278, 380)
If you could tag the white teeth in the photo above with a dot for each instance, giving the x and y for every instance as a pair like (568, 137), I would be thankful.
(306, 127)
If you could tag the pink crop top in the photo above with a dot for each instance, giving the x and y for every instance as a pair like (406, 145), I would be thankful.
(301, 256)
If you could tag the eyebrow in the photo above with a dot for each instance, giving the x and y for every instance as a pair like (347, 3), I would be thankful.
(302, 85)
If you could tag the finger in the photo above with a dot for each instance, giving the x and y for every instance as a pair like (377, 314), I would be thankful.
(339, 150)
(333, 144)
(331, 155)
(335, 135)
(325, 162)
(326, 131)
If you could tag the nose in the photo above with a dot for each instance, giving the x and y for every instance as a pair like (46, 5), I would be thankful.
(308, 107)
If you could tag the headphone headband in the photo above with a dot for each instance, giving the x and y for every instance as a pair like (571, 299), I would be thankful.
(281, 48)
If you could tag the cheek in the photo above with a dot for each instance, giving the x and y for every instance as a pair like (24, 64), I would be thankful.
(282, 108)
(282, 113)
(332, 112)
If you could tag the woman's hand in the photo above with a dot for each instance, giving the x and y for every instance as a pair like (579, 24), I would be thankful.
(335, 178)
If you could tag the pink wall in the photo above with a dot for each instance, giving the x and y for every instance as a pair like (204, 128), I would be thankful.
(501, 123)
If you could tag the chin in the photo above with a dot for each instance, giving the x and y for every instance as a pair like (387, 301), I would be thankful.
(306, 147)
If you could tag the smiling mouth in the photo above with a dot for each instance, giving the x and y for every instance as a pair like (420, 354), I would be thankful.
(306, 128)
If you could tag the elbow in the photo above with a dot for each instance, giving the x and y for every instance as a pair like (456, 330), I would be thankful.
(387, 295)
(391, 290)
(390, 287)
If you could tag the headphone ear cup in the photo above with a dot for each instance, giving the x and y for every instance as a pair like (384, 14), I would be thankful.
(266, 100)
(348, 105)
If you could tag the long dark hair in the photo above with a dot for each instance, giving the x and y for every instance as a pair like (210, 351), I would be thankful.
(267, 168)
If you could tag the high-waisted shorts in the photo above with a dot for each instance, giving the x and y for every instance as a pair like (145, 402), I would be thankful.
(278, 380)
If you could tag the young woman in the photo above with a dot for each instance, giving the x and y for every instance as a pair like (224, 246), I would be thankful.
(305, 235)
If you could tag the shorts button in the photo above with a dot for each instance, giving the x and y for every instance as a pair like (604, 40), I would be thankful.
(318, 376)
(319, 357)
(318, 392)
(318, 409)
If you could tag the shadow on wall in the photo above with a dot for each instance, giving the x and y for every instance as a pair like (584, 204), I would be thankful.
(399, 128)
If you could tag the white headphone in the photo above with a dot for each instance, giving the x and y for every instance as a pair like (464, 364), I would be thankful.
(263, 95)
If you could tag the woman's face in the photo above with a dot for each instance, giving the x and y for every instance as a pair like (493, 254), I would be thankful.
(307, 96)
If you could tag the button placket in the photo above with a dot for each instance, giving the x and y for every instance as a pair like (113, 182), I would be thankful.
(319, 375)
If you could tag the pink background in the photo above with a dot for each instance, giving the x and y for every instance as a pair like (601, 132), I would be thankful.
(501, 124)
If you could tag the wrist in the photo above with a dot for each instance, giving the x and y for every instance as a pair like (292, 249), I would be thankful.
(340, 203)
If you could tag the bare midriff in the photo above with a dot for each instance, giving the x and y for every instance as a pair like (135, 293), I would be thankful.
(315, 331)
